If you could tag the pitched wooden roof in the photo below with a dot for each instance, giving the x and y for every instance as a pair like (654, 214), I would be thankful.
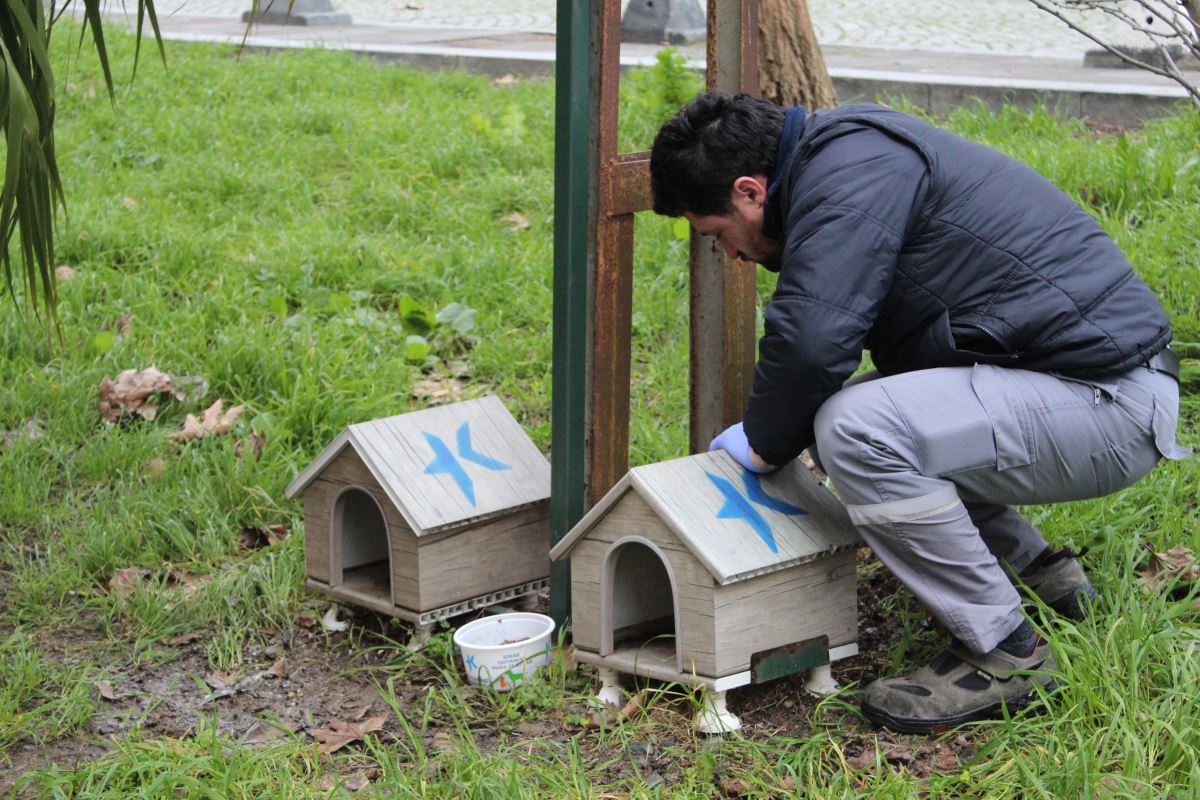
(446, 466)
(736, 523)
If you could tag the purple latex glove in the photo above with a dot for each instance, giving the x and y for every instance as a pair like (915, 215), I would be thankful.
(733, 441)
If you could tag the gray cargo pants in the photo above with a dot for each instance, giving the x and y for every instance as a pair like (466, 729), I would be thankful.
(928, 464)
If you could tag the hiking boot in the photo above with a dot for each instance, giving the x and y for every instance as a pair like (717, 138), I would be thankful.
(958, 687)
(1056, 577)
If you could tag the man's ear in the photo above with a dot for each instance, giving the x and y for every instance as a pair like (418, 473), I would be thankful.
(751, 189)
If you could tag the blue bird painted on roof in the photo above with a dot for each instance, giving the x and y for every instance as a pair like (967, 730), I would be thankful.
(467, 451)
(738, 507)
(757, 494)
(444, 462)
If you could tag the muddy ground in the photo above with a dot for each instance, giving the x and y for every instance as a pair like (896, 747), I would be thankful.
(309, 678)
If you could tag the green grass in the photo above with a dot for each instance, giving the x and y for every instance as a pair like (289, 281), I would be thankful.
(269, 223)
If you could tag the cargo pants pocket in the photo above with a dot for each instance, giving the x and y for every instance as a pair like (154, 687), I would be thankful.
(949, 429)
(1013, 432)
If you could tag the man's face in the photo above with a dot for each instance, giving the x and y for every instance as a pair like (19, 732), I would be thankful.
(740, 231)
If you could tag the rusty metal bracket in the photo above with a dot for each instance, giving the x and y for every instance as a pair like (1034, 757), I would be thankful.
(593, 266)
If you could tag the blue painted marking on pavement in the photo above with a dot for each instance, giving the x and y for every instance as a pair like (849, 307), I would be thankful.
(467, 452)
(737, 507)
(758, 494)
(444, 463)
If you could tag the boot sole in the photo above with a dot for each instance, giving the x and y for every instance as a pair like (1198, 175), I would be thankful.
(1015, 705)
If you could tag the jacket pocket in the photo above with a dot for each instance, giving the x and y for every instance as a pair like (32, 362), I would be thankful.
(1016, 445)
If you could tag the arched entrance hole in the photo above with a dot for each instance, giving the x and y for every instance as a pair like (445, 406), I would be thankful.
(359, 526)
(641, 611)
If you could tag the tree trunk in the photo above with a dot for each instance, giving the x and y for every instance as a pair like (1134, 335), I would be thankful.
(791, 69)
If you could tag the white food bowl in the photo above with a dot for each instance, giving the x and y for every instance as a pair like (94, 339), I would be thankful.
(502, 650)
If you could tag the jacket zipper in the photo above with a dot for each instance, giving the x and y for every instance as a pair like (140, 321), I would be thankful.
(994, 337)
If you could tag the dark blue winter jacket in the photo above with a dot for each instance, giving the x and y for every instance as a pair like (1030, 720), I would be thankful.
(930, 251)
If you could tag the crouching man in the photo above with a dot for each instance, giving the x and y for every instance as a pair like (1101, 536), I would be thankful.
(1020, 361)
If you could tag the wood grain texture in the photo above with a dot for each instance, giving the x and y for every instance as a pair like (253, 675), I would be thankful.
(397, 452)
(485, 558)
(632, 516)
(792, 605)
(686, 494)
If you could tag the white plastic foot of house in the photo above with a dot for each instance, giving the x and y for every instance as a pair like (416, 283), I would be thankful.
(420, 637)
(610, 688)
(714, 717)
(820, 681)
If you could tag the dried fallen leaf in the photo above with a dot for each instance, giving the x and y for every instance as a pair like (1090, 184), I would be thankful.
(507, 79)
(132, 392)
(252, 537)
(634, 706)
(155, 467)
(519, 223)
(214, 423)
(1177, 564)
(106, 690)
(277, 670)
(186, 582)
(331, 623)
(126, 579)
(183, 638)
(945, 760)
(64, 273)
(220, 680)
(251, 443)
(130, 203)
(446, 390)
(339, 733)
(306, 621)
(864, 760)
(734, 787)
(258, 733)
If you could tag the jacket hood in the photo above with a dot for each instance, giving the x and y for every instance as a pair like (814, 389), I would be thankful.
(793, 127)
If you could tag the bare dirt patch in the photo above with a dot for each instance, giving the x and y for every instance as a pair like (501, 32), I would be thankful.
(309, 679)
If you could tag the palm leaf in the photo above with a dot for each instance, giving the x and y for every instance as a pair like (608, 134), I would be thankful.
(32, 191)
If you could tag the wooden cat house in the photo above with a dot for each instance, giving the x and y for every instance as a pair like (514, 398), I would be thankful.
(698, 571)
(428, 514)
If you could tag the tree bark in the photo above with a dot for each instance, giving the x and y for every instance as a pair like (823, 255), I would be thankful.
(791, 69)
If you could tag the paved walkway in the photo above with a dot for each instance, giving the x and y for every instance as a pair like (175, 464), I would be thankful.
(980, 27)
(937, 53)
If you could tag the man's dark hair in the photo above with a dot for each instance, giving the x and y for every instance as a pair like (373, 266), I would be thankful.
(710, 143)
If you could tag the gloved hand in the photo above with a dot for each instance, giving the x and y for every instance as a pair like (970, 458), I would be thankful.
(733, 441)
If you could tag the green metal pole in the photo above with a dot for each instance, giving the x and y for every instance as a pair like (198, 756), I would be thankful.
(576, 174)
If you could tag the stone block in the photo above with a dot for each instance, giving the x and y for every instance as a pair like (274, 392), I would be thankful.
(298, 12)
(672, 21)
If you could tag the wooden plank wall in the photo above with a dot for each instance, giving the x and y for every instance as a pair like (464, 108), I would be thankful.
(476, 560)
(785, 607)
(632, 516)
(322, 550)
